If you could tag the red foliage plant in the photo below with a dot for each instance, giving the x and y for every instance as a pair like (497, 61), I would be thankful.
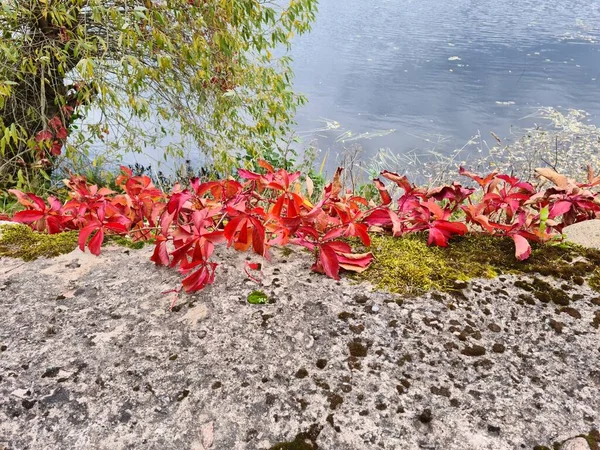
(262, 210)
(53, 137)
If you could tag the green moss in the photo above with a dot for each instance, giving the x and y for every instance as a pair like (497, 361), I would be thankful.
(286, 251)
(593, 439)
(125, 241)
(297, 444)
(20, 241)
(407, 265)
(594, 280)
(303, 441)
(545, 293)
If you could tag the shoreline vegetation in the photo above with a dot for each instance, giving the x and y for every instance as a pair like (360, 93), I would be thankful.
(405, 264)
(275, 207)
(409, 265)
(564, 141)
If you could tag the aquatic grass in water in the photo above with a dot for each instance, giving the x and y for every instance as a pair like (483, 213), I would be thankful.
(566, 143)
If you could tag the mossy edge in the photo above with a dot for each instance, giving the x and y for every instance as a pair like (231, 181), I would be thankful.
(407, 265)
(20, 241)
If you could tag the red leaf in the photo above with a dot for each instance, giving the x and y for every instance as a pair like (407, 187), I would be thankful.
(54, 224)
(199, 278)
(265, 165)
(177, 201)
(160, 257)
(359, 230)
(483, 182)
(231, 188)
(247, 174)
(55, 123)
(216, 237)
(244, 238)
(293, 176)
(179, 255)
(38, 201)
(62, 133)
(56, 148)
(84, 234)
(44, 135)
(279, 204)
(401, 181)
(451, 227)
(22, 198)
(442, 230)
(333, 234)
(435, 209)
(329, 261)
(455, 193)
(339, 247)
(522, 247)
(384, 217)
(126, 170)
(116, 227)
(295, 205)
(474, 214)
(96, 242)
(355, 262)
(379, 217)
(165, 223)
(232, 227)
(55, 204)
(560, 208)
(510, 180)
(437, 237)
(258, 237)
(334, 188)
(386, 199)
(27, 216)
(252, 266)
(310, 231)
(202, 251)
(102, 191)
(397, 228)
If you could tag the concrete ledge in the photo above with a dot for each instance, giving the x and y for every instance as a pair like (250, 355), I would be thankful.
(91, 357)
(586, 234)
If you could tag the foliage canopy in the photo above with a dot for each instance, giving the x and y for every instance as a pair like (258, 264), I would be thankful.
(171, 74)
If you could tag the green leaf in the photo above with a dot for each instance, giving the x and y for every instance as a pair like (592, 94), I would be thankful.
(544, 215)
(258, 298)
(45, 175)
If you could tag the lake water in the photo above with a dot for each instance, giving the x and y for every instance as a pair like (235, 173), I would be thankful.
(450, 68)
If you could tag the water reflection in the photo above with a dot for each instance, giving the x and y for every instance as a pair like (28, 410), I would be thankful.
(431, 67)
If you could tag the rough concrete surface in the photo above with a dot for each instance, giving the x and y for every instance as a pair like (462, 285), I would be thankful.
(585, 233)
(92, 358)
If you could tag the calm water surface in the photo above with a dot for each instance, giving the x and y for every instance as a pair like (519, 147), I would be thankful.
(442, 67)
